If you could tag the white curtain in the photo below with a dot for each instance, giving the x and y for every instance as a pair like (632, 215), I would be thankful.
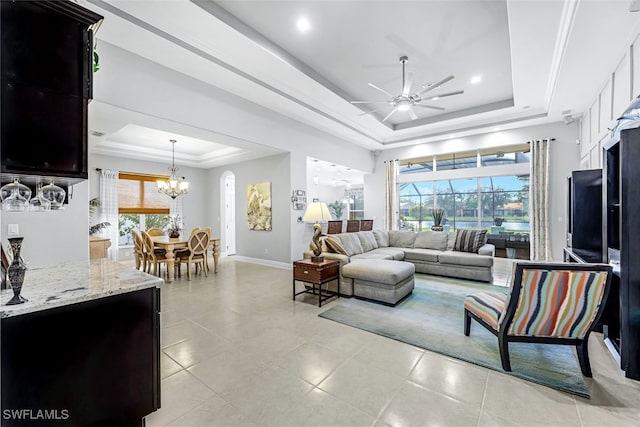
(539, 201)
(391, 196)
(109, 209)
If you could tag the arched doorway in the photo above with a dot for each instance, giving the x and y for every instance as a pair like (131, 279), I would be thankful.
(228, 208)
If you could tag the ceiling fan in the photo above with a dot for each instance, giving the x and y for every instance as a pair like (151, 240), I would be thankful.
(406, 101)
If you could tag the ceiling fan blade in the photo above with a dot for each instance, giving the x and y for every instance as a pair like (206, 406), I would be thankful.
(372, 111)
(429, 106)
(412, 114)
(369, 102)
(381, 90)
(435, 85)
(442, 95)
(406, 89)
(389, 115)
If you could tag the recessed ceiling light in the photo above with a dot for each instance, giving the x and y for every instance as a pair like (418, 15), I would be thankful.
(496, 129)
(435, 98)
(476, 79)
(303, 24)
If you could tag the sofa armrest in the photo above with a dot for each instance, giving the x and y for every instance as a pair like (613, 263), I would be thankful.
(487, 249)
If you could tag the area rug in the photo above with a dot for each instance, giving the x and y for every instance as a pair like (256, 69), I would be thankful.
(432, 317)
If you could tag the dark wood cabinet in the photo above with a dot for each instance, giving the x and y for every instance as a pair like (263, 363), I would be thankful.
(621, 237)
(95, 363)
(46, 82)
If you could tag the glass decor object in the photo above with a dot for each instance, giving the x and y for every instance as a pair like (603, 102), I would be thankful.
(15, 196)
(54, 194)
(39, 202)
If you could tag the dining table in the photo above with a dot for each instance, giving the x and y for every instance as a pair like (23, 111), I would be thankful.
(172, 244)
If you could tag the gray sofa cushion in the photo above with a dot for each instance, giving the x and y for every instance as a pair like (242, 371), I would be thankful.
(451, 241)
(379, 271)
(350, 243)
(416, 254)
(382, 238)
(372, 255)
(431, 240)
(367, 240)
(402, 239)
(390, 253)
(465, 258)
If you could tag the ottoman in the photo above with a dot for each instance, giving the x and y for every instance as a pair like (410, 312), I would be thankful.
(380, 280)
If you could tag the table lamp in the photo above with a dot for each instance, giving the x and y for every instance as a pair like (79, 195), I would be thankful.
(316, 211)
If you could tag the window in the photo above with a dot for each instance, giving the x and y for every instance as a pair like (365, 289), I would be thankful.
(355, 197)
(508, 155)
(468, 203)
(140, 205)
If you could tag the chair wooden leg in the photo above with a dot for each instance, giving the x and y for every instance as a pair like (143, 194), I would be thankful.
(188, 271)
(503, 343)
(205, 268)
(467, 322)
(583, 358)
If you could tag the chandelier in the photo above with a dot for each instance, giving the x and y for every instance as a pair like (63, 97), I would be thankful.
(174, 186)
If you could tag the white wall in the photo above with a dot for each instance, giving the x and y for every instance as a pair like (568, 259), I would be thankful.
(564, 158)
(271, 245)
(53, 237)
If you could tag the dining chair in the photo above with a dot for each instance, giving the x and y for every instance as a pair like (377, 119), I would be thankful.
(549, 303)
(353, 225)
(366, 224)
(138, 251)
(197, 244)
(155, 232)
(334, 227)
(153, 255)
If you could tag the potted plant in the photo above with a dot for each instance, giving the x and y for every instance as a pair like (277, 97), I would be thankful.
(336, 208)
(497, 221)
(175, 226)
(437, 214)
(94, 205)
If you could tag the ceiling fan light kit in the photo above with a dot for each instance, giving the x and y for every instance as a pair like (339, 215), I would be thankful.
(406, 101)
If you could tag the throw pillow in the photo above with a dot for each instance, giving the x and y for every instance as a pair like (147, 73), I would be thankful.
(382, 238)
(402, 239)
(334, 246)
(431, 240)
(367, 240)
(470, 240)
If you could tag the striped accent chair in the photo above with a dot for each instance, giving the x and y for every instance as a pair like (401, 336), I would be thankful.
(548, 303)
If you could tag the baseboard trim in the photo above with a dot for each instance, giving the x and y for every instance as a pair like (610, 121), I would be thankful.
(267, 262)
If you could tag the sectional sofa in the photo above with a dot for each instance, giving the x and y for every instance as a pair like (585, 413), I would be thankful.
(432, 252)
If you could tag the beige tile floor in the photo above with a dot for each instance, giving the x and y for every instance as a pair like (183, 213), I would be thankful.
(237, 351)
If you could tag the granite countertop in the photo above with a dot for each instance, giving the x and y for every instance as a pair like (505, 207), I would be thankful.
(66, 284)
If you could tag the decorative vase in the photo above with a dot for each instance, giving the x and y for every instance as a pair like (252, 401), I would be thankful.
(174, 234)
(437, 228)
(16, 271)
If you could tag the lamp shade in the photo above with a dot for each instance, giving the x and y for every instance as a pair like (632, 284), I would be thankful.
(316, 211)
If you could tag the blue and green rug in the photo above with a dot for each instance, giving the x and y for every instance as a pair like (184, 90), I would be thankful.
(432, 318)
